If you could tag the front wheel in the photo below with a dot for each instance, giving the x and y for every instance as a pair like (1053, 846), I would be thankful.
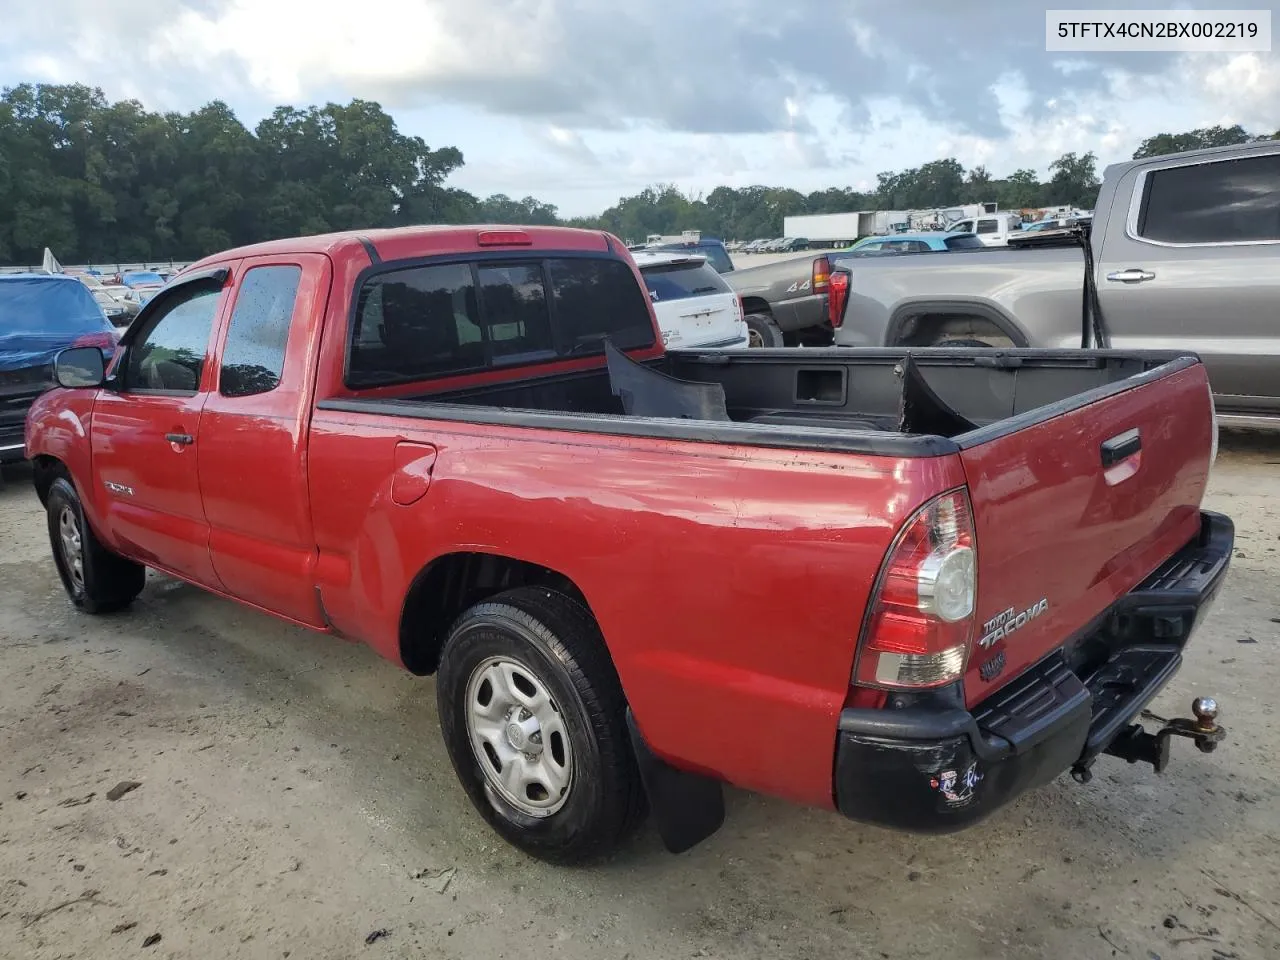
(533, 717)
(96, 580)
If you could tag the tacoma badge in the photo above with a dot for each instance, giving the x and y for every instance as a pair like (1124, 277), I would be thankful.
(1000, 626)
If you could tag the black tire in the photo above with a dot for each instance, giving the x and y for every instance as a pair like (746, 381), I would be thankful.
(106, 581)
(559, 643)
(762, 331)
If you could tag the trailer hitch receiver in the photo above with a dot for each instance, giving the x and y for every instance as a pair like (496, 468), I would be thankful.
(1136, 745)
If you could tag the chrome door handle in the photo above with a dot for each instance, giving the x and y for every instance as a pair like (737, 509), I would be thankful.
(1132, 275)
(182, 439)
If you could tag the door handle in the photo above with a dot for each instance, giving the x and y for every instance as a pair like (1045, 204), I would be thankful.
(1121, 447)
(182, 439)
(1132, 275)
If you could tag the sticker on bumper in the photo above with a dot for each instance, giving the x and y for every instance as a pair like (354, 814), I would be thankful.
(958, 787)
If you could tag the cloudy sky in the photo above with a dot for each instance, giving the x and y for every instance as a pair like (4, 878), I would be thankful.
(581, 101)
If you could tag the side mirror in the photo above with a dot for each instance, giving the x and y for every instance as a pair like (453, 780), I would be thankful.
(79, 367)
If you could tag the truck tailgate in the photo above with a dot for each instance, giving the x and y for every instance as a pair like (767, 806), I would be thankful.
(1075, 507)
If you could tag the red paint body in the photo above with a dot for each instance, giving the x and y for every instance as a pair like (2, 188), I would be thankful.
(729, 582)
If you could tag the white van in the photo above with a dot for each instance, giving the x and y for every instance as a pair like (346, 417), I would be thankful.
(695, 307)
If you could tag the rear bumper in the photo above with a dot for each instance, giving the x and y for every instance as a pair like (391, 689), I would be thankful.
(935, 767)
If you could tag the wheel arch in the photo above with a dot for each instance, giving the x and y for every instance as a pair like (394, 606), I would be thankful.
(44, 470)
(897, 330)
(451, 583)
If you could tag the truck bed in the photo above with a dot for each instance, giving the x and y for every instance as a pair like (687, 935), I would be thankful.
(921, 402)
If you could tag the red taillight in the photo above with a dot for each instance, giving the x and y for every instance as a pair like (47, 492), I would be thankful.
(742, 308)
(821, 274)
(921, 621)
(837, 297)
(503, 238)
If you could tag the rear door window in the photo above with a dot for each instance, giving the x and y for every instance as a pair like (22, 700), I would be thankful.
(988, 226)
(967, 242)
(682, 279)
(253, 357)
(1228, 201)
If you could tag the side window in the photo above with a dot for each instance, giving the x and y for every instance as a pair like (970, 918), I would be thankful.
(988, 226)
(964, 226)
(596, 298)
(917, 246)
(1221, 202)
(168, 356)
(515, 309)
(412, 323)
(253, 357)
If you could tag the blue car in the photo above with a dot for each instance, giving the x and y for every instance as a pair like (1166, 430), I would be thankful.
(40, 314)
(919, 242)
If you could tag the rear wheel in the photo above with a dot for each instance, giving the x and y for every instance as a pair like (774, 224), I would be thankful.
(96, 580)
(534, 720)
(762, 331)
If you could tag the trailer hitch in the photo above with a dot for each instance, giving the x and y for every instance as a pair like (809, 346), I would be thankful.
(1136, 745)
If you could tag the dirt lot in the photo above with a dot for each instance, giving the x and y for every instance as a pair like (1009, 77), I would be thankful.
(294, 799)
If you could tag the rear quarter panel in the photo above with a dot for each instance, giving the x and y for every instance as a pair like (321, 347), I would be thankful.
(729, 582)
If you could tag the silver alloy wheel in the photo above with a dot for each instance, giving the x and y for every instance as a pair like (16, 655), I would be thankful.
(72, 545)
(519, 737)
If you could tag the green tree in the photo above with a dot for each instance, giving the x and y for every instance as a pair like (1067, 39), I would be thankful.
(1165, 143)
(1073, 180)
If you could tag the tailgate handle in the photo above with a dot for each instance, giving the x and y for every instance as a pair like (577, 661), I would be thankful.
(1121, 447)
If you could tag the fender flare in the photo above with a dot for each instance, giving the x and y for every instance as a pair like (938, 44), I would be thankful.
(981, 309)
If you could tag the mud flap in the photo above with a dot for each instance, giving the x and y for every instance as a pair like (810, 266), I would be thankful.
(686, 807)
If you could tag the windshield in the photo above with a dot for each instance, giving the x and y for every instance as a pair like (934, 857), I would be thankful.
(679, 281)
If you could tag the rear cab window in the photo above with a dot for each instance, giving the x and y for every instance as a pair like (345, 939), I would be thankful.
(714, 253)
(418, 322)
(682, 279)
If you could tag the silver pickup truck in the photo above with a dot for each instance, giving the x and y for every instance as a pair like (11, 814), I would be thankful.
(1186, 255)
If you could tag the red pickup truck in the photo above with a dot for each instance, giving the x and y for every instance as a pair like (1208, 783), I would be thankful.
(904, 584)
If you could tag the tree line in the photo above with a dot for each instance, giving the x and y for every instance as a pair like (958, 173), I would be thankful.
(113, 182)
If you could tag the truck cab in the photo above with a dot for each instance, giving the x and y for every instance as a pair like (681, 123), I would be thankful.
(992, 229)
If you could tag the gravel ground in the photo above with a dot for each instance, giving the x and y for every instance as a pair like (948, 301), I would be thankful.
(293, 798)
